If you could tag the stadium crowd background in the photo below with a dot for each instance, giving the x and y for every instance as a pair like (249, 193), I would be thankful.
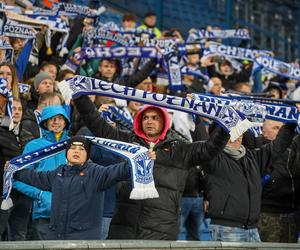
(40, 63)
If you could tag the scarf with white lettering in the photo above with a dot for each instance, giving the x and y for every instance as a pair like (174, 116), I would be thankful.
(9, 106)
(23, 88)
(276, 66)
(201, 34)
(232, 52)
(69, 9)
(255, 108)
(15, 29)
(141, 166)
(100, 52)
(231, 120)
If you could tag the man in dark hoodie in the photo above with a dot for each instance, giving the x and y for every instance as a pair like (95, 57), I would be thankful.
(155, 219)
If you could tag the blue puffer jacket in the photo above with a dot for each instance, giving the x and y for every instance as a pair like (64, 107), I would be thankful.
(42, 199)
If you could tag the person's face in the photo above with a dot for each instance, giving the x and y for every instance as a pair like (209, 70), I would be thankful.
(17, 112)
(216, 89)
(150, 20)
(107, 69)
(274, 93)
(6, 73)
(235, 144)
(18, 44)
(68, 75)
(270, 129)
(146, 85)
(56, 123)
(194, 59)
(245, 88)
(2, 55)
(76, 155)
(46, 86)
(51, 69)
(134, 106)
(152, 123)
(129, 24)
(225, 69)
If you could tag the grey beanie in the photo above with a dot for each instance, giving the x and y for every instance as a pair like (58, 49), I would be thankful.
(41, 77)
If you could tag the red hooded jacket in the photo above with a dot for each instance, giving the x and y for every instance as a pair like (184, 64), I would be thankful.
(137, 123)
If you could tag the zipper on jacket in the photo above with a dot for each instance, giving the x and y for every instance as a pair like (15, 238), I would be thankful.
(245, 173)
(292, 181)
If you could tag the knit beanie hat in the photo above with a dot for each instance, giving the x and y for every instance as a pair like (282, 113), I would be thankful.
(41, 77)
(81, 141)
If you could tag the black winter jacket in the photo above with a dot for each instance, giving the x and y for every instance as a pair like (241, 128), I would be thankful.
(10, 147)
(156, 219)
(234, 186)
(75, 196)
(279, 193)
(30, 128)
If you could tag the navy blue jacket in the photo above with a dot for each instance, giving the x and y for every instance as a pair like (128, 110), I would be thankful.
(75, 196)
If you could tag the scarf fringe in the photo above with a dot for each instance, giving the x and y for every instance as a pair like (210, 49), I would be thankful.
(6, 204)
(144, 193)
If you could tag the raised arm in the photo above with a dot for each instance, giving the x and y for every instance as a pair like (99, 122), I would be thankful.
(93, 120)
(41, 180)
(106, 177)
(197, 152)
(271, 151)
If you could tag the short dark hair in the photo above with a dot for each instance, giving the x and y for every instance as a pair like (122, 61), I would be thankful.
(129, 17)
(46, 63)
(62, 74)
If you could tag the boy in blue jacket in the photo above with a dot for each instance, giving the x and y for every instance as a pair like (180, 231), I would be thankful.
(76, 188)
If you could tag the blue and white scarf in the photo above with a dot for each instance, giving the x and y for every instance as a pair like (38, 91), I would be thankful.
(118, 116)
(23, 88)
(5, 45)
(141, 166)
(186, 70)
(55, 23)
(16, 29)
(100, 35)
(232, 121)
(9, 106)
(232, 52)
(68, 9)
(254, 108)
(218, 34)
(100, 52)
(276, 66)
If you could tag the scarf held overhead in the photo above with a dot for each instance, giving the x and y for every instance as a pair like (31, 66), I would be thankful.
(141, 166)
(231, 120)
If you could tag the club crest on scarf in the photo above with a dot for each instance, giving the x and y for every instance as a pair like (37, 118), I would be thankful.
(144, 167)
(82, 84)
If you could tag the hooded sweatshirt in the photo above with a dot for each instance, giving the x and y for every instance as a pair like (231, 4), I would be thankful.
(137, 124)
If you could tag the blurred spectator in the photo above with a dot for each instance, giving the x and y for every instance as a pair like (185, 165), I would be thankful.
(149, 24)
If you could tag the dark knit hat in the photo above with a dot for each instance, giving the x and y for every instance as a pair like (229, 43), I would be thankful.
(79, 140)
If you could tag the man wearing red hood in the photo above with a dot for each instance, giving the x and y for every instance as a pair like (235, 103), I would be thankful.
(152, 219)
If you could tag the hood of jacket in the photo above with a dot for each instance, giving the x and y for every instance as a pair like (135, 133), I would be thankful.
(51, 111)
(137, 123)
